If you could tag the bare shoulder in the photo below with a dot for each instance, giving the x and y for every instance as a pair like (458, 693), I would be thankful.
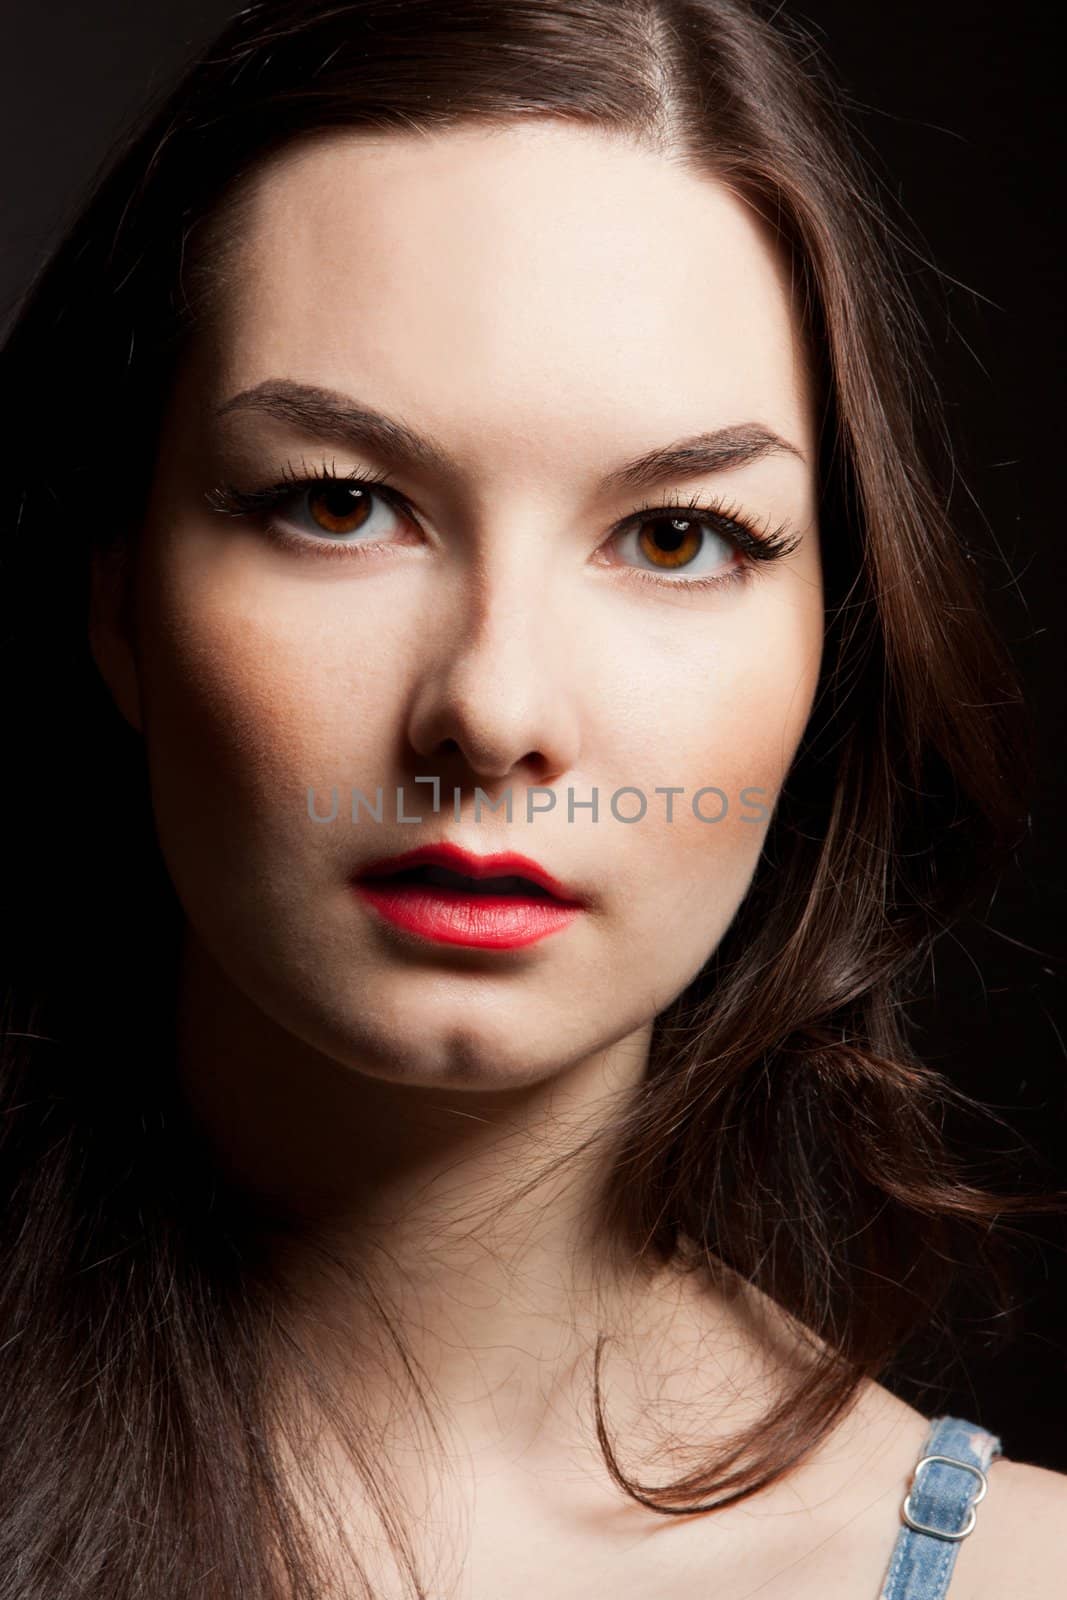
(1019, 1543)
(1018, 1547)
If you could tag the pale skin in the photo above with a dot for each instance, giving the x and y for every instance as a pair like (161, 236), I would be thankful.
(545, 303)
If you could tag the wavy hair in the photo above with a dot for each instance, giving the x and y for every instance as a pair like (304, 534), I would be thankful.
(785, 1135)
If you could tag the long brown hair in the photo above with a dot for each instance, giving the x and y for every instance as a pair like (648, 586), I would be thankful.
(785, 1134)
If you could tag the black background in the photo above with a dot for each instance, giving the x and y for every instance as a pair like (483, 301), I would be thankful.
(953, 103)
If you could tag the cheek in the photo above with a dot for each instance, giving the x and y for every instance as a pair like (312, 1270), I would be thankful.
(726, 719)
(251, 697)
(727, 715)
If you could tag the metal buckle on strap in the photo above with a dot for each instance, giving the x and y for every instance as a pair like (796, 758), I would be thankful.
(941, 1533)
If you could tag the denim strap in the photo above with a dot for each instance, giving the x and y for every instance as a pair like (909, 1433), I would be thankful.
(943, 1499)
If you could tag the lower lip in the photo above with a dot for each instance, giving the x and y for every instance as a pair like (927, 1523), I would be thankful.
(486, 922)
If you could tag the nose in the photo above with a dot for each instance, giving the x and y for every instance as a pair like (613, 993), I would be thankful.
(496, 696)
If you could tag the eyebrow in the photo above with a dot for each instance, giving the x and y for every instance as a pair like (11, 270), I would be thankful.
(331, 415)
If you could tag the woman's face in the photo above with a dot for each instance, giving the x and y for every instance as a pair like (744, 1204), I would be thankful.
(546, 305)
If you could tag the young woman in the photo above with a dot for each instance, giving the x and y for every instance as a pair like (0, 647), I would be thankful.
(500, 715)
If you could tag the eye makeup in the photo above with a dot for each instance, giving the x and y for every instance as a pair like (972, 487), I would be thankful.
(677, 522)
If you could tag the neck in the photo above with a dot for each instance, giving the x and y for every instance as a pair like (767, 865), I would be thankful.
(467, 1220)
(476, 1212)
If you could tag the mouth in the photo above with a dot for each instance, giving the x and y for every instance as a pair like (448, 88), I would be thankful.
(448, 866)
(513, 885)
(445, 894)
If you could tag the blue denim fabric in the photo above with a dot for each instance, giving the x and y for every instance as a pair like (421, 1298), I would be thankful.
(941, 1496)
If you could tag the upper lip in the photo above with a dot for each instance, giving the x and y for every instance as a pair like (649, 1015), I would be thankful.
(453, 856)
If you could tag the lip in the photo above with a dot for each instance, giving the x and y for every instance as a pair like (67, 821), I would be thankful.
(447, 915)
(505, 865)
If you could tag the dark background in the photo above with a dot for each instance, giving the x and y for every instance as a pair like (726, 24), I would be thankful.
(953, 103)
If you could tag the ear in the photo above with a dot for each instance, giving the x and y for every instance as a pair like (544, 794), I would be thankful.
(111, 636)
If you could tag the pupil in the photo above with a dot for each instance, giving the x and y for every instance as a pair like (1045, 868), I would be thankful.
(339, 498)
(339, 507)
(671, 534)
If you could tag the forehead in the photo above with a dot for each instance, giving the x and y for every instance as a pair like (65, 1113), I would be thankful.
(511, 280)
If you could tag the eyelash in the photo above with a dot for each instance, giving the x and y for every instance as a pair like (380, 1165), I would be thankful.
(755, 544)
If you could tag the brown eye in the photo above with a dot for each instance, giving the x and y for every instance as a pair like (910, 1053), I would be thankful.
(670, 541)
(339, 507)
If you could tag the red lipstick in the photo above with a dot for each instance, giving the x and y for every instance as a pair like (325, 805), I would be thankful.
(444, 893)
